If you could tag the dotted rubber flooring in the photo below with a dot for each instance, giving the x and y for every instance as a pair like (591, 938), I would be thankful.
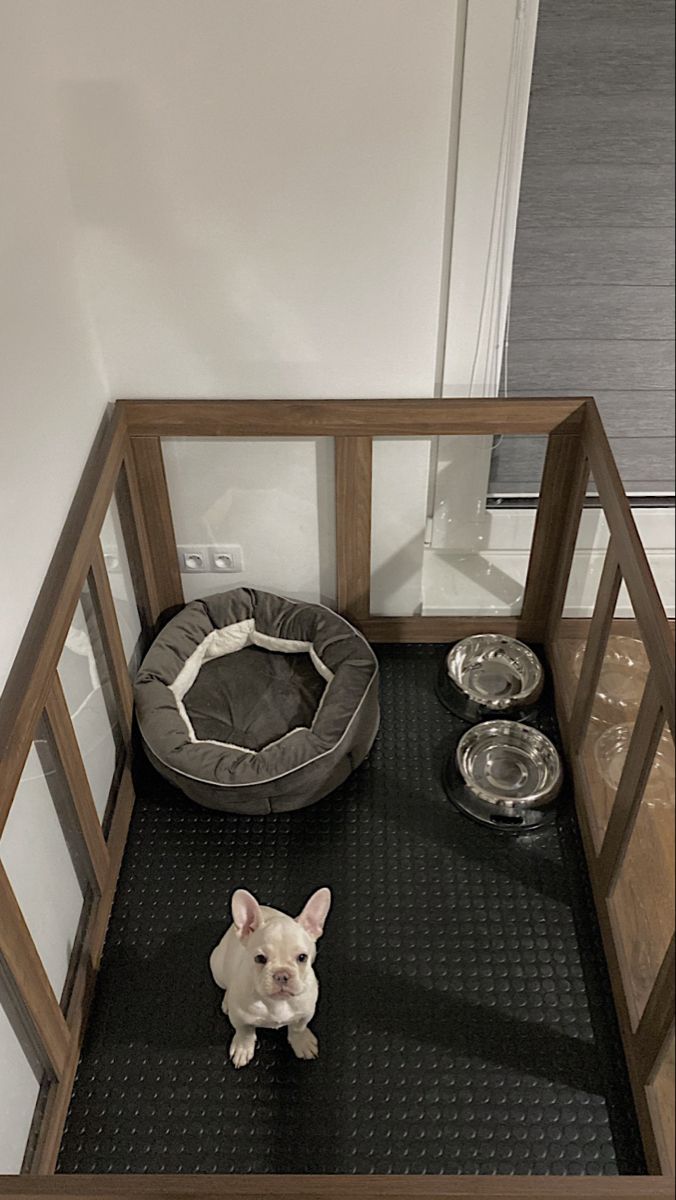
(465, 1019)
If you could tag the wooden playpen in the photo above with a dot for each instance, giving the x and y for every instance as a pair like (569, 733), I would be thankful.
(127, 462)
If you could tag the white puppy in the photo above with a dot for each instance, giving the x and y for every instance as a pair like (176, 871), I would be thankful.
(264, 962)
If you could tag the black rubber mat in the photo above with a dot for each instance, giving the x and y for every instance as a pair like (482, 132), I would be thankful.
(465, 1019)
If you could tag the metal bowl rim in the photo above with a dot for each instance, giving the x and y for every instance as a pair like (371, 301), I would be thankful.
(521, 697)
(529, 734)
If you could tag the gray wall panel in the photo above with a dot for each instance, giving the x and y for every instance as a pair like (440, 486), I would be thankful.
(592, 297)
(605, 54)
(594, 256)
(636, 12)
(598, 312)
(646, 464)
(594, 365)
(647, 414)
(636, 128)
(607, 194)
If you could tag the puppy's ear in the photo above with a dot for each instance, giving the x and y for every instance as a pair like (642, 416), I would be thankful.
(315, 912)
(245, 913)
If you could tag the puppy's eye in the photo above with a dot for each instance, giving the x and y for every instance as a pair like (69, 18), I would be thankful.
(261, 959)
(302, 958)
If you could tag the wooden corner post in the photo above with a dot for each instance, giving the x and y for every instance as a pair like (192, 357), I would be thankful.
(353, 526)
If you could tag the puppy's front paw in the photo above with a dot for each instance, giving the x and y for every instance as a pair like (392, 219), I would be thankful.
(242, 1049)
(304, 1044)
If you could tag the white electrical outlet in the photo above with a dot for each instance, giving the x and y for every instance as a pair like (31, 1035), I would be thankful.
(193, 559)
(226, 558)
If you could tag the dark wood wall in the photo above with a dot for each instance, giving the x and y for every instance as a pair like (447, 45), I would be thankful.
(593, 298)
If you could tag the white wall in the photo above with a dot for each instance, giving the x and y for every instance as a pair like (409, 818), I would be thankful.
(207, 198)
(52, 384)
(275, 499)
(52, 396)
(261, 196)
(259, 189)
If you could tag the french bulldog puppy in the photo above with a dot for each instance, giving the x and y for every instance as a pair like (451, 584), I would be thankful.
(264, 963)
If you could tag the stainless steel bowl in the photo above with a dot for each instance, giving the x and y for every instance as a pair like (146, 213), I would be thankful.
(487, 674)
(506, 774)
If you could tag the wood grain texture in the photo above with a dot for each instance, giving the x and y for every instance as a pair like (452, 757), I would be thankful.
(597, 640)
(657, 1021)
(602, 255)
(340, 1187)
(25, 692)
(58, 1098)
(629, 795)
(562, 492)
(647, 414)
(583, 312)
(642, 901)
(353, 525)
(33, 990)
(79, 791)
(615, 127)
(154, 524)
(584, 806)
(660, 1093)
(116, 659)
(340, 418)
(645, 599)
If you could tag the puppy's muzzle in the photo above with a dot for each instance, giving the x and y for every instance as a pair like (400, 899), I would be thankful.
(284, 983)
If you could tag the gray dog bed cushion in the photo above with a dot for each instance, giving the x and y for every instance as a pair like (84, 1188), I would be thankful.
(250, 702)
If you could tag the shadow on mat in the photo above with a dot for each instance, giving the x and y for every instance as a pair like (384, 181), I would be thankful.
(453, 1025)
(167, 999)
(170, 1000)
(526, 859)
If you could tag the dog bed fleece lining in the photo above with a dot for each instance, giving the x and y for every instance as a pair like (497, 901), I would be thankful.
(245, 689)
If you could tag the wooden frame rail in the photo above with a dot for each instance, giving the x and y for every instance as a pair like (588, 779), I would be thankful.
(127, 461)
(34, 693)
(625, 562)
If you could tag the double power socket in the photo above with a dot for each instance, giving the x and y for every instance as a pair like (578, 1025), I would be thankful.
(195, 560)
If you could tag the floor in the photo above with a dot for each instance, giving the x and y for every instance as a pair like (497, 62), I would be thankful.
(465, 1019)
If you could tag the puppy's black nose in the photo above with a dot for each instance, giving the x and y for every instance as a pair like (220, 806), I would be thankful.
(281, 977)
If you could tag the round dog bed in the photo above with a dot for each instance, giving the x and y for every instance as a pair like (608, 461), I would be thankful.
(253, 703)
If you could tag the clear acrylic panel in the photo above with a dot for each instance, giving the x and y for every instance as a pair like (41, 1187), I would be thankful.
(475, 558)
(18, 1097)
(398, 519)
(661, 1102)
(272, 498)
(121, 586)
(587, 565)
(642, 902)
(617, 698)
(83, 671)
(36, 850)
